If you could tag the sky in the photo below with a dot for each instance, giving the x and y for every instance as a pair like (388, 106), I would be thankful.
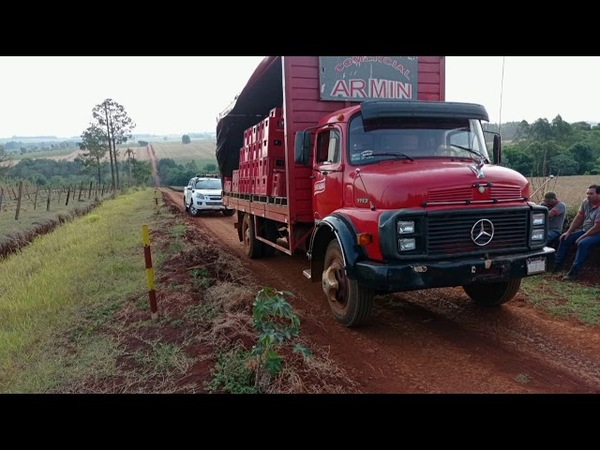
(55, 95)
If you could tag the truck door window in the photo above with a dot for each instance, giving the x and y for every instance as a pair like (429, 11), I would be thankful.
(328, 147)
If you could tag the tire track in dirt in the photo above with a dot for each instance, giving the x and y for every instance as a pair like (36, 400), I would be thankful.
(430, 341)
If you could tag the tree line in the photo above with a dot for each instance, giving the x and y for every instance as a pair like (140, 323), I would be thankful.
(551, 148)
(539, 149)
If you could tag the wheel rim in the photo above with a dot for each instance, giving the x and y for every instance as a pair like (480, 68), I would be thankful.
(334, 283)
(246, 231)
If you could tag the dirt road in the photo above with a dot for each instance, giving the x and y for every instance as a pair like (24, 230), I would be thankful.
(431, 341)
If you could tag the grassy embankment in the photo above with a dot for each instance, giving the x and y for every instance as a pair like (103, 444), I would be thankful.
(71, 280)
(75, 313)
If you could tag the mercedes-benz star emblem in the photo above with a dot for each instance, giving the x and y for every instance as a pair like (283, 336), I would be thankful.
(482, 232)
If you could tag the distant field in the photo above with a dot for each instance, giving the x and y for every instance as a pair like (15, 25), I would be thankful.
(570, 190)
(200, 151)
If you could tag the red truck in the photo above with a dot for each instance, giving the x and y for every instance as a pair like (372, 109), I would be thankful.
(360, 163)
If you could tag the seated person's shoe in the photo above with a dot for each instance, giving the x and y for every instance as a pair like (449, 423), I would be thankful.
(571, 275)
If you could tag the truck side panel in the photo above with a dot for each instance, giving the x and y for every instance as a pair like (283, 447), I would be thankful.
(432, 76)
(303, 108)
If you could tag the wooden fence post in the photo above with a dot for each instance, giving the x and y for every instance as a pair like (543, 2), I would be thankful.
(19, 200)
(149, 272)
(37, 188)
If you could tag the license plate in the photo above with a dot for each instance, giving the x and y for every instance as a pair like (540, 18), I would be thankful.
(536, 265)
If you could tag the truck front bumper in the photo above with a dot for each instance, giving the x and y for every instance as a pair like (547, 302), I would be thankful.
(402, 276)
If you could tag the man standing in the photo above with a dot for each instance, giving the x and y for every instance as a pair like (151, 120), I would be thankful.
(585, 238)
(557, 211)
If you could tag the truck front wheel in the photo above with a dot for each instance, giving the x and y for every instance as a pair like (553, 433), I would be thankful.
(253, 247)
(350, 303)
(493, 294)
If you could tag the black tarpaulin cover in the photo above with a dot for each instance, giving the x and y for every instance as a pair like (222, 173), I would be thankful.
(263, 92)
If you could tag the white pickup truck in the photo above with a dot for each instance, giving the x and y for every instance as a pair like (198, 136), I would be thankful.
(203, 193)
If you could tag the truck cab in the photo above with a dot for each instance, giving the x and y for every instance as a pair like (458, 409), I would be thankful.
(406, 196)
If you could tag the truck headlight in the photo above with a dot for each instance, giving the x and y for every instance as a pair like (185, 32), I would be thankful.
(199, 196)
(406, 227)
(538, 235)
(405, 245)
(538, 219)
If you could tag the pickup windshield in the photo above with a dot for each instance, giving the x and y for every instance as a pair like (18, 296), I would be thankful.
(414, 138)
(213, 183)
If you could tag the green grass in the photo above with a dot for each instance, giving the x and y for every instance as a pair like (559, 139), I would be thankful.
(74, 280)
(564, 300)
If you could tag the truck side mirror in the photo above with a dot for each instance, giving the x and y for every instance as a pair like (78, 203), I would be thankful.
(497, 149)
(302, 148)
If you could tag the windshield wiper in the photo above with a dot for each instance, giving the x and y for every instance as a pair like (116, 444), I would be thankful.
(470, 150)
(394, 154)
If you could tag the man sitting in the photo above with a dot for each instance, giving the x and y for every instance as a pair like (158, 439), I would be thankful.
(583, 233)
(556, 217)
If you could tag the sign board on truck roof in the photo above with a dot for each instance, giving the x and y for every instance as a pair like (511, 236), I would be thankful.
(358, 78)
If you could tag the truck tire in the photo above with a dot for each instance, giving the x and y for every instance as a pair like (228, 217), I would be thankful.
(228, 212)
(493, 294)
(254, 248)
(350, 303)
(270, 233)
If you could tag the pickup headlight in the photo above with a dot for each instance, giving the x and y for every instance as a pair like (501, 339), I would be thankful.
(199, 196)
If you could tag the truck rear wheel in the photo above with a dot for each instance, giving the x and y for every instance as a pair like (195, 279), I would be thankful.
(493, 294)
(350, 303)
(253, 247)
(269, 231)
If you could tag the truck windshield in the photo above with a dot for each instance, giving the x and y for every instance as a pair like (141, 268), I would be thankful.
(415, 138)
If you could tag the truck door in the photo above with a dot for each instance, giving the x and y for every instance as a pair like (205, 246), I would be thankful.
(328, 173)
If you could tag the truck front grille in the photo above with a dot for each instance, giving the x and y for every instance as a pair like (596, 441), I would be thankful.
(450, 233)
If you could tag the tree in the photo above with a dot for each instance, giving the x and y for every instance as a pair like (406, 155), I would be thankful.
(141, 172)
(540, 130)
(581, 126)
(561, 130)
(185, 139)
(210, 168)
(584, 158)
(541, 153)
(95, 141)
(563, 165)
(3, 158)
(112, 116)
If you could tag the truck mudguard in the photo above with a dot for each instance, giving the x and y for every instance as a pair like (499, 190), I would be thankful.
(345, 233)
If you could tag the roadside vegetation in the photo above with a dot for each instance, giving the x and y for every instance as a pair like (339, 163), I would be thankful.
(76, 315)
